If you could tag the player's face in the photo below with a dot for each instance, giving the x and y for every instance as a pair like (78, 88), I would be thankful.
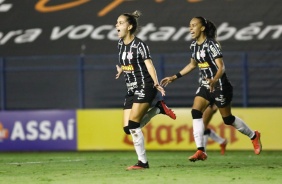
(196, 28)
(122, 26)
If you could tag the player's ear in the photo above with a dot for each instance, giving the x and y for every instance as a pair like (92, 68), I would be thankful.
(129, 27)
(203, 28)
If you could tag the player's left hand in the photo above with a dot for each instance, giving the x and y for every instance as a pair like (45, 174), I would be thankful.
(160, 89)
(211, 84)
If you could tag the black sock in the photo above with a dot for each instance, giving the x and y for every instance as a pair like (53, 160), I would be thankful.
(254, 137)
(202, 149)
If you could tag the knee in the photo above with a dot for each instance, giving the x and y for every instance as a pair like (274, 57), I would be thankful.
(126, 130)
(196, 114)
(229, 120)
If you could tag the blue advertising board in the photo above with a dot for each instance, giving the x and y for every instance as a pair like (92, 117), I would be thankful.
(39, 130)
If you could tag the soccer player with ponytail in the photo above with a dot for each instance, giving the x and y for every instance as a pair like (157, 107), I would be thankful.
(142, 84)
(215, 87)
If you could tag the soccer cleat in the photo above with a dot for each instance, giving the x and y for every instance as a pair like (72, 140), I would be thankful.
(199, 155)
(256, 143)
(165, 110)
(223, 147)
(139, 165)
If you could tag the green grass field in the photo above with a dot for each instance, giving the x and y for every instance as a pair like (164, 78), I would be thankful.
(169, 167)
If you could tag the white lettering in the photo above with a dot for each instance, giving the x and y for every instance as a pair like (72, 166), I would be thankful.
(182, 31)
(18, 132)
(146, 29)
(96, 33)
(248, 32)
(5, 7)
(276, 35)
(44, 128)
(113, 35)
(148, 32)
(9, 35)
(29, 36)
(56, 33)
(223, 28)
(32, 132)
(59, 131)
(80, 32)
(70, 129)
(164, 34)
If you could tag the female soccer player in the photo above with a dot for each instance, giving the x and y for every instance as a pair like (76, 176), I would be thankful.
(142, 84)
(215, 86)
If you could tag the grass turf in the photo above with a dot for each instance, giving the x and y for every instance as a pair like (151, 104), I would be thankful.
(166, 167)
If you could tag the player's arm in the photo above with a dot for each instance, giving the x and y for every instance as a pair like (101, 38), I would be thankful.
(152, 71)
(187, 69)
(221, 69)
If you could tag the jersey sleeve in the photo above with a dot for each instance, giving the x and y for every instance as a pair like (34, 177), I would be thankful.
(215, 49)
(191, 48)
(143, 49)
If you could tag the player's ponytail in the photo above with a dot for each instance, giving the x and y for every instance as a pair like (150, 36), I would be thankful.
(132, 19)
(210, 28)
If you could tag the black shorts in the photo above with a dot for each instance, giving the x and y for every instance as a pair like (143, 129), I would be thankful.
(144, 95)
(220, 98)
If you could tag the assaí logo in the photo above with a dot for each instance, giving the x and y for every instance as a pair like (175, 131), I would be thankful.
(4, 133)
(45, 130)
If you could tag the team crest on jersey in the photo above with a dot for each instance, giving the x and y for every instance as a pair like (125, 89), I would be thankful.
(129, 55)
(202, 53)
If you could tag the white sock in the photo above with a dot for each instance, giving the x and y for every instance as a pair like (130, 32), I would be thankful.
(138, 142)
(214, 136)
(242, 127)
(198, 131)
(148, 116)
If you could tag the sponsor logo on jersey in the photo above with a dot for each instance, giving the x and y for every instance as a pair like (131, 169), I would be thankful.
(213, 50)
(221, 99)
(203, 65)
(141, 94)
(127, 67)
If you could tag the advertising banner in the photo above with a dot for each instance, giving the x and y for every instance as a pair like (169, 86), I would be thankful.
(86, 130)
(102, 130)
(46, 27)
(41, 130)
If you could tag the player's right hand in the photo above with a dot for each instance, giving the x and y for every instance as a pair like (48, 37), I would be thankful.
(119, 70)
(165, 81)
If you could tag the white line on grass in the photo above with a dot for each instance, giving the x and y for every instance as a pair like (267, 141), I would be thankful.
(40, 162)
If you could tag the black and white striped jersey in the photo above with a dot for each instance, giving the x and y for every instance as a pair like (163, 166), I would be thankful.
(205, 55)
(131, 59)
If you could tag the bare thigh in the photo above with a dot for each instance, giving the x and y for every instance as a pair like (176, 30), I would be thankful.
(200, 104)
(136, 113)
(225, 111)
(126, 113)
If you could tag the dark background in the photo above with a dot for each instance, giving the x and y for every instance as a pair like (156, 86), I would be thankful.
(69, 73)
